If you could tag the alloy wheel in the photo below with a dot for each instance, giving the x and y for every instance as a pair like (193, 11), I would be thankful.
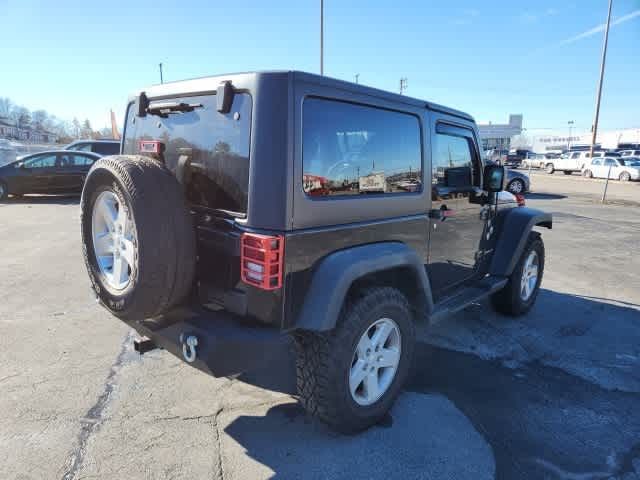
(114, 240)
(375, 361)
(516, 186)
(529, 278)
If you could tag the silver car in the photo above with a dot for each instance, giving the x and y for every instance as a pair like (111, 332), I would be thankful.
(624, 169)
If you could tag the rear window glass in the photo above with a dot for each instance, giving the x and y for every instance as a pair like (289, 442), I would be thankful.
(352, 149)
(107, 148)
(216, 144)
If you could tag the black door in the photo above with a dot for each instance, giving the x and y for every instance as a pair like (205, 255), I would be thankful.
(71, 170)
(38, 172)
(457, 222)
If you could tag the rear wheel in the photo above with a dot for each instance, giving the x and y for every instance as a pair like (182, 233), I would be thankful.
(350, 377)
(550, 168)
(624, 177)
(516, 186)
(137, 236)
(521, 291)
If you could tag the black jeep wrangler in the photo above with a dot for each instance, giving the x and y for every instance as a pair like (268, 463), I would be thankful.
(248, 207)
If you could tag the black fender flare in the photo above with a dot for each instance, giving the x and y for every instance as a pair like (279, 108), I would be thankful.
(335, 273)
(515, 227)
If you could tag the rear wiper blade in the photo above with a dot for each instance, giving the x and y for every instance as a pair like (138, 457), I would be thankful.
(165, 108)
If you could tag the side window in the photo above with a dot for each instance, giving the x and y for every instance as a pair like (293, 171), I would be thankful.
(575, 155)
(82, 147)
(596, 162)
(452, 162)
(81, 160)
(610, 161)
(44, 161)
(106, 148)
(352, 149)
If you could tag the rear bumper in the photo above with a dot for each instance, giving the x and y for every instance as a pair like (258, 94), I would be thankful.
(226, 345)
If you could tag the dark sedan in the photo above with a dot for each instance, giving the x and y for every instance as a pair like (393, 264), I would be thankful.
(59, 171)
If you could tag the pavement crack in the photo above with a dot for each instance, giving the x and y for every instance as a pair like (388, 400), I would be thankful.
(90, 423)
(218, 435)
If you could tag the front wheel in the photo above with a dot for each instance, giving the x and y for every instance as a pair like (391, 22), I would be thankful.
(587, 174)
(350, 377)
(520, 292)
(624, 177)
(550, 168)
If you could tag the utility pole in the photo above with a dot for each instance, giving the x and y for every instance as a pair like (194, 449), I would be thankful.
(160, 66)
(594, 128)
(357, 76)
(321, 37)
(403, 85)
(570, 123)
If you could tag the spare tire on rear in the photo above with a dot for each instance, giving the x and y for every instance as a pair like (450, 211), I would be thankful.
(138, 238)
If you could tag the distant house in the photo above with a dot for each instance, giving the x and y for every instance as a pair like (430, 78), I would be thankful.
(8, 129)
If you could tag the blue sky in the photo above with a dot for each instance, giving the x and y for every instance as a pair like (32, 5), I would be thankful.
(487, 58)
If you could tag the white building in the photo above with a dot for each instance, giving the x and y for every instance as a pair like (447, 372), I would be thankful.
(498, 135)
(559, 140)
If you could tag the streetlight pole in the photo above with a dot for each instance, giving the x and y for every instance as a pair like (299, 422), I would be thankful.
(570, 123)
(160, 66)
(321, 37)
(357, 76)
(594, 128)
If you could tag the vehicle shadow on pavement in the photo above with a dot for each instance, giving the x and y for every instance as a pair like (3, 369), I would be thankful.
(540, 415)
(545, 196)
(43, 199)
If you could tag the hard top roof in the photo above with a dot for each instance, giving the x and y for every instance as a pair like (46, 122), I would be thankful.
(210, 83)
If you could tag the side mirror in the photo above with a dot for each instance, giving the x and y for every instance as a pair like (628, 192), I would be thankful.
(20, 165)
(494, 178)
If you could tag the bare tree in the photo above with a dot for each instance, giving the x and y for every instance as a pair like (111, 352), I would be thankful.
(5, 107)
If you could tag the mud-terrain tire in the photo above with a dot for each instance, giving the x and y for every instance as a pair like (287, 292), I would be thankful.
(325, 360)
(511, 300)
(161, 235)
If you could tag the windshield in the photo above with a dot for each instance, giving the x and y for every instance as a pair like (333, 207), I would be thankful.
(215, 144)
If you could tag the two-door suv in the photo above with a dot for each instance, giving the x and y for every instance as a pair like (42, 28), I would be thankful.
(248, 207)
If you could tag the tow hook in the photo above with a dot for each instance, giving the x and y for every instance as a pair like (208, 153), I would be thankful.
(189, 343)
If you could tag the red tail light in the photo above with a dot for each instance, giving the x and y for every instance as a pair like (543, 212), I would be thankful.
(261, 260)
(520, 199)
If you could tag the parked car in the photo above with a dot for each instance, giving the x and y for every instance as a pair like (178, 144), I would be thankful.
(517, 182)
(217, 269)
(629, 153)
(101, 147)
(514, 157)
(59, 171)
(574, 161)
(624, 169)
(536, 160)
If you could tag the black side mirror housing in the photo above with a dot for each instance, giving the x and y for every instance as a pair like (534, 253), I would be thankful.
(494, 177)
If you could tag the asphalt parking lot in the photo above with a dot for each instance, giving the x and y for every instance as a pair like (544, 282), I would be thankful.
(554, 394)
